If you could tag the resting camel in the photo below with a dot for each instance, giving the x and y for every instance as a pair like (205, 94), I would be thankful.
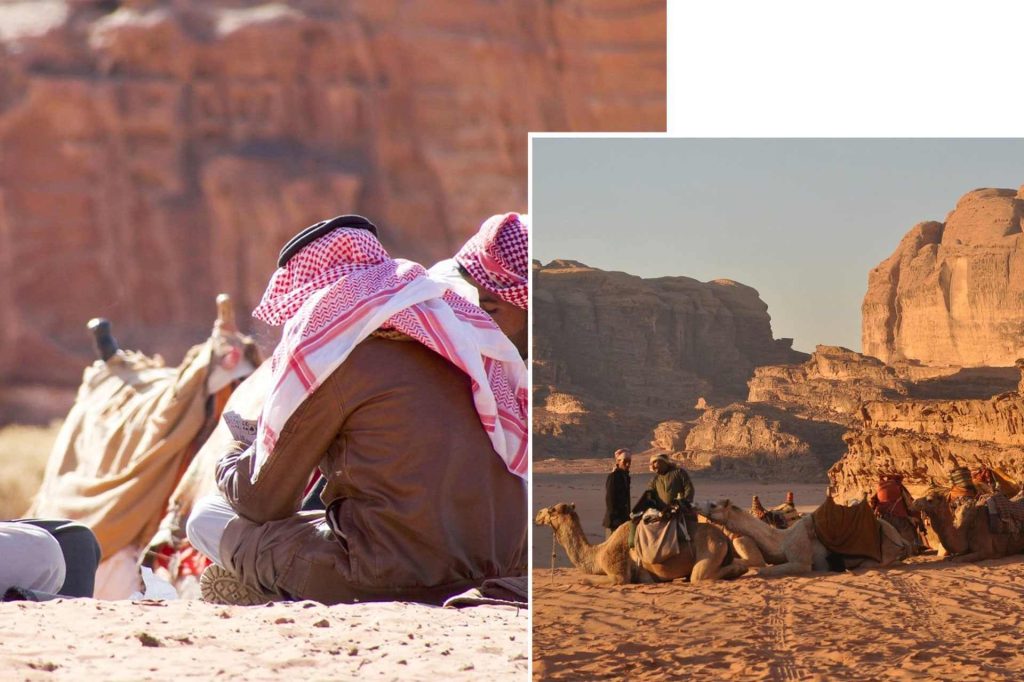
(703, 560)
(963, 528)
(134, 429)
(797, 549)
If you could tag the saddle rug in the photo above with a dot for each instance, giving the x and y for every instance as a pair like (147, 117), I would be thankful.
(852, 531)
(658, 539)
(1005, 515)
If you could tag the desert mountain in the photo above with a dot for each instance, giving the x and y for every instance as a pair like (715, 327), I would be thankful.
(615, 354)
(953, 293)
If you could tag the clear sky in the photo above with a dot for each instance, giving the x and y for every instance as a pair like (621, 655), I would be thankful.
(803, 221)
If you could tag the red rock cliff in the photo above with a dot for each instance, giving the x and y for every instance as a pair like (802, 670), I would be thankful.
(615, 354)
(155, 153)
(953, 293)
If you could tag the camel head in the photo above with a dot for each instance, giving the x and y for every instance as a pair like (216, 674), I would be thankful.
(554, 515)
(234, 356)
(964, 512)
(716, 511)
(932, 499)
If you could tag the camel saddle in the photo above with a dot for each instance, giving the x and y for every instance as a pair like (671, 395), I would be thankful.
(1005, 516)
(849, 531)
(659, 536)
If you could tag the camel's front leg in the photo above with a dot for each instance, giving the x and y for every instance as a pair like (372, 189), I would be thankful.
(968, 558)
(748, 551)
(788, 568)
(602, 581)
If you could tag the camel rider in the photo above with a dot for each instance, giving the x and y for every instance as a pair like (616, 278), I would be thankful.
(671, 484)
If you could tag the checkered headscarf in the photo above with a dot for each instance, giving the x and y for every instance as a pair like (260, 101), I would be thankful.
(498, 258)
(342, 287)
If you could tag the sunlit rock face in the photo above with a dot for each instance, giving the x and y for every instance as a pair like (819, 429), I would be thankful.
(155, 153)
(953, 293)
(925, 439)
(614, 355)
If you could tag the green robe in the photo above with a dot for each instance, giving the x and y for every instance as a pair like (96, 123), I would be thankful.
(674, 482)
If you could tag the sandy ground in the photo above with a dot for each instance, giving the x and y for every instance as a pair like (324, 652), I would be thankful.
(929, 619)
(158, 640)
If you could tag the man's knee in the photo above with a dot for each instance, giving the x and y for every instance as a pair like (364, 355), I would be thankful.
(206, 524)
(33, 558)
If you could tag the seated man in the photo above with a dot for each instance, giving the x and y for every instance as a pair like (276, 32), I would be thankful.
(409, 400)
(670, 485)
(42, 559)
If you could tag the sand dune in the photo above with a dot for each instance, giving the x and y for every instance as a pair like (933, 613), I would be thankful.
(156, 640)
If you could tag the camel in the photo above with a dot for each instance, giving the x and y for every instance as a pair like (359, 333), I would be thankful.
(703, 560)
(963, 528)
(797, 549)
(133, 431)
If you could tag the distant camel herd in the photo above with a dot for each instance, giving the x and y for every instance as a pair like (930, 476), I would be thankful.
(729, 542)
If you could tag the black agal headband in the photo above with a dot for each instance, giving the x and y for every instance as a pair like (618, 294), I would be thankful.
(320, 229)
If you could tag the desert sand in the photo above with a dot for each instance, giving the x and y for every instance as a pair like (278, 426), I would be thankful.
(928, 619)
(158, 640)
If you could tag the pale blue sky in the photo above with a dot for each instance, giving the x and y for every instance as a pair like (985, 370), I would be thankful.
(802, 221)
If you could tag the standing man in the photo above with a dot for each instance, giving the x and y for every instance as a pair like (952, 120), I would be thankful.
(671, 483)
(616, 492)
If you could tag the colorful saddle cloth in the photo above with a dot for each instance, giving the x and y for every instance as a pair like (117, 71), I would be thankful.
(851, 531)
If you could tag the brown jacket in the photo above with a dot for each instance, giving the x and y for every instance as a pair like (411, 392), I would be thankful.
(415, 494)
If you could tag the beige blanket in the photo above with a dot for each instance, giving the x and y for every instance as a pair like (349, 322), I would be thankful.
(200, 477)
(121, 450)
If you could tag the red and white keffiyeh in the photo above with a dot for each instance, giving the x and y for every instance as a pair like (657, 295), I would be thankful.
(498, 257)
(342, 287)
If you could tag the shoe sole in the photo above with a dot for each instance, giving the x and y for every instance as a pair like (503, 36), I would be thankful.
(220, 586)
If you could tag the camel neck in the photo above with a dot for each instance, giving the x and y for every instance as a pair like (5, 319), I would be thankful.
(581, 553)
(768, 539)
(951, 537)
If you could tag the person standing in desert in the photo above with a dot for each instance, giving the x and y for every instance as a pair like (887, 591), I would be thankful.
(408, 399)
(616, 492)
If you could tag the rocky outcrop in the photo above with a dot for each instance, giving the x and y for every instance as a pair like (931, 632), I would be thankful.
(754, 439)
(153, 153)
(924, 439)
(831, 385)
(628, 353)
(953, 293)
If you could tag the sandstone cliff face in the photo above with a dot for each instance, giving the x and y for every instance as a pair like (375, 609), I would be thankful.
(760, 440)
(831, 385)
(924, 439)
(155, 153)
(953, 293)
(640, 350)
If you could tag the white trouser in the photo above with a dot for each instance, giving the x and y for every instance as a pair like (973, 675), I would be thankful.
(29, 558)
(206, 524)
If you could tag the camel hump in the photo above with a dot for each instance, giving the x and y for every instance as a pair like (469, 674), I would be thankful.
(103, 341)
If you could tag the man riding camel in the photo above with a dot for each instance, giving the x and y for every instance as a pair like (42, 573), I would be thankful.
(408, 399)
(671, 484)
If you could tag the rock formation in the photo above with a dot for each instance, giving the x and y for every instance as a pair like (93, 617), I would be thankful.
(615, 354)
(925, 439)
(831, 385)
(793, 422)
(155, 153)
(953, 293)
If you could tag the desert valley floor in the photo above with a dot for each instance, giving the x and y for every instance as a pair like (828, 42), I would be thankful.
(928, 619)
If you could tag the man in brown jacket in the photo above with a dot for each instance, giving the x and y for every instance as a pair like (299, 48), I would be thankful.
(408, 400)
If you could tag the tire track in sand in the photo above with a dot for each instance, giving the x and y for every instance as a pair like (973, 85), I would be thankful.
(776, 619)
